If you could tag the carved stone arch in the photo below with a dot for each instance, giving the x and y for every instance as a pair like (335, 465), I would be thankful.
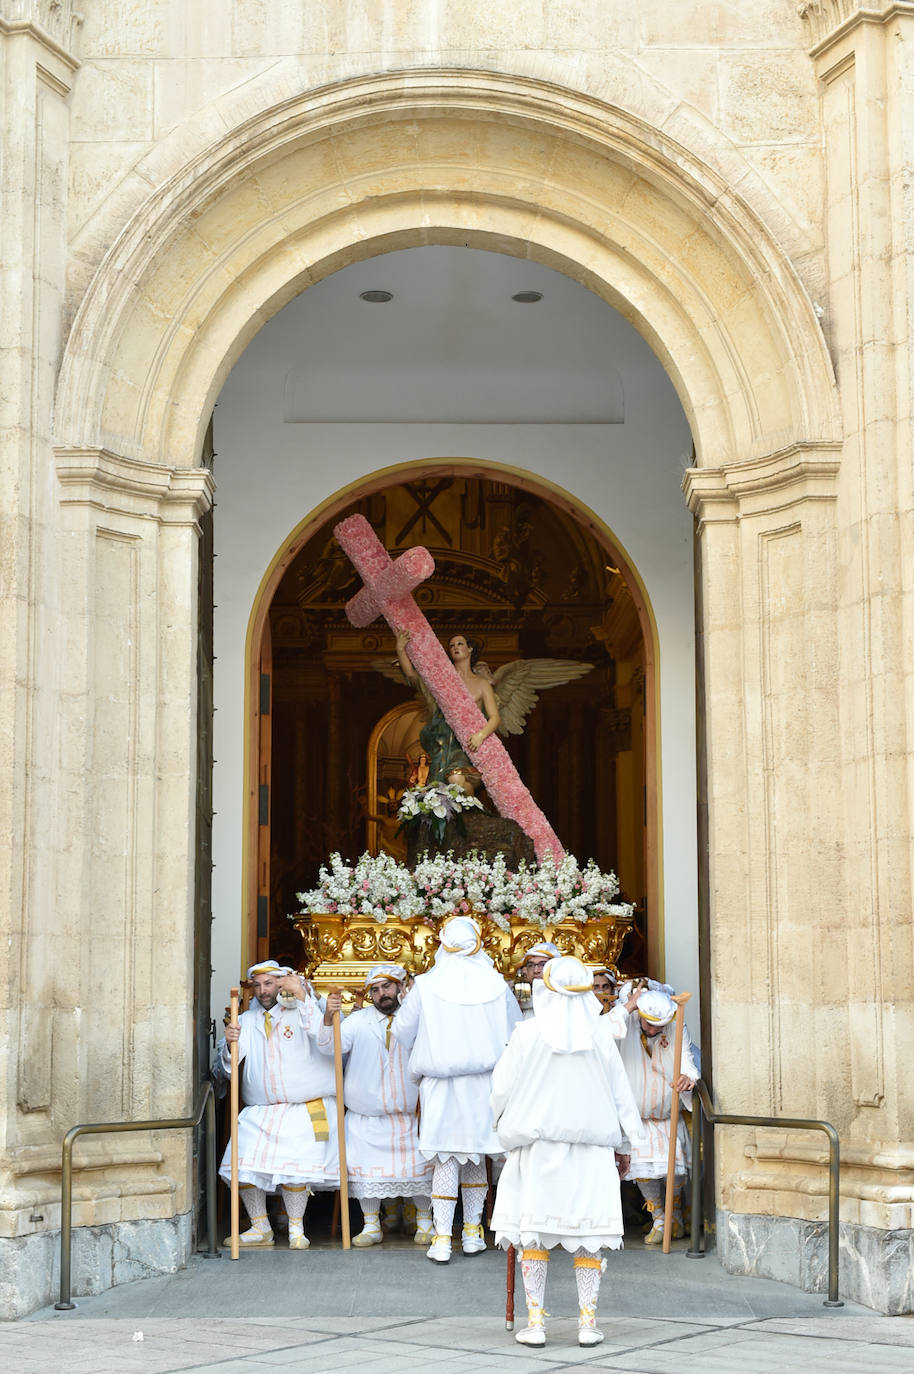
(380, 163)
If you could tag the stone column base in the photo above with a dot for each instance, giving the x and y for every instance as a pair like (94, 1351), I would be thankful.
(103, 1256)
(876, 1267)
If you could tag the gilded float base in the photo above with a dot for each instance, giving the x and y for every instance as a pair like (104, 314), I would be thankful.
(340, 950)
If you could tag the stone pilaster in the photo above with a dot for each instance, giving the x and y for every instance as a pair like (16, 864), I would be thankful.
(833, 967)
(114, 940)
(37, 67)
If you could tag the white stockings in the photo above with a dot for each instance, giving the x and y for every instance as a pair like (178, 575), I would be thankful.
(255, 1204)
(444, 1195)
(295, 1198)
(653, 1190)
(473, 1188)
(533, 1267)
(471, 1179)
(587, 1272)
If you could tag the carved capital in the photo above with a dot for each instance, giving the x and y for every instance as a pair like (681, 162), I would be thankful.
(108, 482)
(829, 20)
(55, 24)
(799, 473)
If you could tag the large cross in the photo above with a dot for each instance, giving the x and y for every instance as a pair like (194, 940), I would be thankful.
(388, 591)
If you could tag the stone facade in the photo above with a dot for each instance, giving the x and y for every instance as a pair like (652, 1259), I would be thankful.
(737, 182)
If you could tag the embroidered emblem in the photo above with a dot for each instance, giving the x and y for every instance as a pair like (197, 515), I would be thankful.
(664, 1043)
(288, 1032)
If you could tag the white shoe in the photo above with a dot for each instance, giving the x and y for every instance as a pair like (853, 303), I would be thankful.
(367, 1237)
(473, 1240)
(440, 1249)
(253, 1239)
(532, 1335)
(298, 1241)
(589, 1335)
(424, 1236)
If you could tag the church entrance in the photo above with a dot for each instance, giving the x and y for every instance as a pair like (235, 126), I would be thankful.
(558, 532)
(336, 733)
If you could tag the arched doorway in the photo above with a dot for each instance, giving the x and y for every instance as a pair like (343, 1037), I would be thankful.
(527, 575)
(288, 197)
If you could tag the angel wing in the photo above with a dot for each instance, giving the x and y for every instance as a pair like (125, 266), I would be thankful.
(517, 687)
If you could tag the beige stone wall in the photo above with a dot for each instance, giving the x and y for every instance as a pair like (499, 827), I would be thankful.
(732, 83)
(201, 166)
(846, 933)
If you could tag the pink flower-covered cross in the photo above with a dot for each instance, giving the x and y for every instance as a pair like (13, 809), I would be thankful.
(388, 592)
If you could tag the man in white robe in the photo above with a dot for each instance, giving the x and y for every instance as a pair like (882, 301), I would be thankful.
(382, 1128)
(564, 1109)
(647, 1053)
(456, 1021)
(287, 1131)
(530, 971)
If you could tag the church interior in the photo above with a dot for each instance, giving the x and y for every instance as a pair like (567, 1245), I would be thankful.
(525, 579)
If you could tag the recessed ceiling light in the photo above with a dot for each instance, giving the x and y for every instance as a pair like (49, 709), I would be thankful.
(376, 297)
(527, 297)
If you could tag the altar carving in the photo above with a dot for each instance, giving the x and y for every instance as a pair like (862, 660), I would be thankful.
(340, 950)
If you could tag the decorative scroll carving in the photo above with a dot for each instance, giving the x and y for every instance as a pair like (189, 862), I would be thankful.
(341, 949)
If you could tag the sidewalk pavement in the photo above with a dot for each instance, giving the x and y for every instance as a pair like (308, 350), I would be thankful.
(390, 1309)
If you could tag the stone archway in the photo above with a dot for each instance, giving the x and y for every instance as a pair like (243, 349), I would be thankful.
(351, 171)
(370, 165)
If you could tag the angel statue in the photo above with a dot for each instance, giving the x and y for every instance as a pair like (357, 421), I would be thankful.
(505, 697)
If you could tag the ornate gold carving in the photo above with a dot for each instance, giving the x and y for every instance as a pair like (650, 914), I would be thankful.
(340, 949)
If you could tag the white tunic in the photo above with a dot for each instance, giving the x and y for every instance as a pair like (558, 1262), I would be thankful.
(454, 1048)
(382, 1127)
(563, 1117)
(651, 1078)
(287, 1130)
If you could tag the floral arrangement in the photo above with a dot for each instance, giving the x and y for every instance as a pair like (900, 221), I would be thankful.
(432, 807)
(538, 895)
(374, 886)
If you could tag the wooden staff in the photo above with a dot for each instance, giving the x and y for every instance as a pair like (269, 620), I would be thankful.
(509, 1290)
(674, 1122)
(233, 1112)
(341, 1128)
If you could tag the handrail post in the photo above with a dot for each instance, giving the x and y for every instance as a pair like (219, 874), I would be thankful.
(211, 1172)
(695, 1250)
(834, 1173)
(783, 1123)
(66, 1215)
(207, 1104)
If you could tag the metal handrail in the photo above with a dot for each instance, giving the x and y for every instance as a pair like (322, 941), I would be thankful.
(785, 1123)
(207, 1103)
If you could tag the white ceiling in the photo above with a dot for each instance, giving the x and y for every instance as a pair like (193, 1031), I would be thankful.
(452, 346)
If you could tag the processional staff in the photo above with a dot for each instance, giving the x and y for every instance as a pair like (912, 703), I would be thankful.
(233, 1112)
(674, 1121)
(341, 1127)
